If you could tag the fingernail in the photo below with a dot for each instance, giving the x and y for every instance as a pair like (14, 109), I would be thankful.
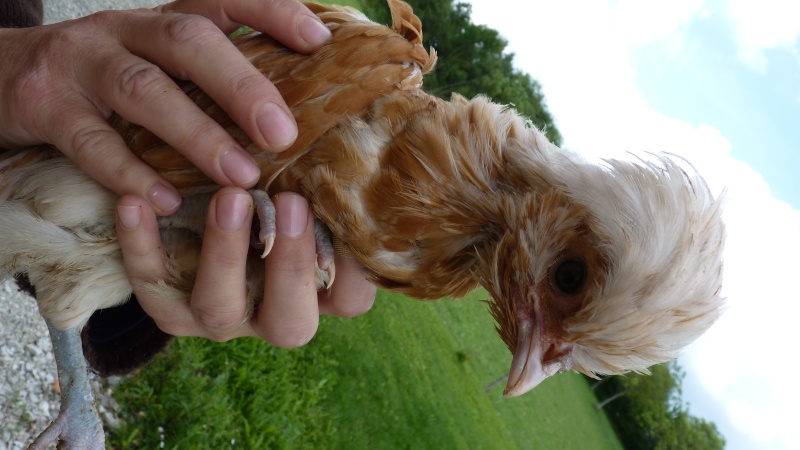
(232, 211)
(239, 167)
(165, 198)
(291, 211)
(129, 216)
(277, 128)
(313, 31)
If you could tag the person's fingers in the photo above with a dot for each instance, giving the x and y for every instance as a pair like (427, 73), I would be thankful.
(143, 94)
(219, 296)
(351, 295)
(188, 46)
(143, 256)
(288, 21)
(143, 249)
(86, 137)
(192, 47)
(289, 315)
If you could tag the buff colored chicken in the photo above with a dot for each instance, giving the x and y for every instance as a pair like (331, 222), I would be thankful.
(601, 269)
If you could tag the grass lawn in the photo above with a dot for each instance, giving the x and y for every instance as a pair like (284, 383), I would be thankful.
(406, 375)
(413, 375)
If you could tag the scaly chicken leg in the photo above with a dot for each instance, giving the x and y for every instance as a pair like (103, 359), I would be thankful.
(77, 426)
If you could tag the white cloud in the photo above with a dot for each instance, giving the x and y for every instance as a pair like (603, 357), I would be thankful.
(763, 25)
(644, 22)
(579, 52)
(741, 359)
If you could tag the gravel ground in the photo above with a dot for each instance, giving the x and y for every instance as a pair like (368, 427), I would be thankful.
(61, 10)
(28, 401)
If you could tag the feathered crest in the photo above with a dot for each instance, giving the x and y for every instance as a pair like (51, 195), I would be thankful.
(663, 286)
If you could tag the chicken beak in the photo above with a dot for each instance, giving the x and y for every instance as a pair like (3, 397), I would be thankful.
(535, 358)
(526, 366)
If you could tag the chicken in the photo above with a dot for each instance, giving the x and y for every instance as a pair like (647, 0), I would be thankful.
(601, 269)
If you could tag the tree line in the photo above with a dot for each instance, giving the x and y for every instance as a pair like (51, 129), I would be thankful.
(648, 411)
(472, 60)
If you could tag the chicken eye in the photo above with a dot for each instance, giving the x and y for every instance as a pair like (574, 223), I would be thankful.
(569, 276)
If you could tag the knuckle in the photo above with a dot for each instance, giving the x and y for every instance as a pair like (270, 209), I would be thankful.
(282, 5)
(247, 90)
(248, 84)
(182, 29)
(106, 17)
(125, 170)
(218, 323)
(91, 141)
(138, 80)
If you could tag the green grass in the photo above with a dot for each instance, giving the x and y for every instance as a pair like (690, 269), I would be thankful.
(413, 376)
(406, 375)
(209, 395)
(354, 3)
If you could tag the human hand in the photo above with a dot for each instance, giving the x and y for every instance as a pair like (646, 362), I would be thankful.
(59, 83)
(289, 313)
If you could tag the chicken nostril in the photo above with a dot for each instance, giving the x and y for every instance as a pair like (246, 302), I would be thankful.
(555, 351)
(551, 354)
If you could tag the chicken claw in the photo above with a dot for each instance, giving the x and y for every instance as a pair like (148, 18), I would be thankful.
(265, 210)
(326, 269)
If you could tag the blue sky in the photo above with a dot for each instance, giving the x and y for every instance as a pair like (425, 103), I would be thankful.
(757, 109)
(717, 82)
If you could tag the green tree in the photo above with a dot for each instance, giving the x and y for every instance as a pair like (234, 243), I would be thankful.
(472, 60)
(689, 433)
(652, 415)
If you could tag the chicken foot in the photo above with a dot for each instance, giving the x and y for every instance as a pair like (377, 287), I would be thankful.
(265, 211)
(192, 215)
(77, 426)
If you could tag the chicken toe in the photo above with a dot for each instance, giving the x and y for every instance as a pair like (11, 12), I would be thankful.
(265, 210)
(326, 269)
